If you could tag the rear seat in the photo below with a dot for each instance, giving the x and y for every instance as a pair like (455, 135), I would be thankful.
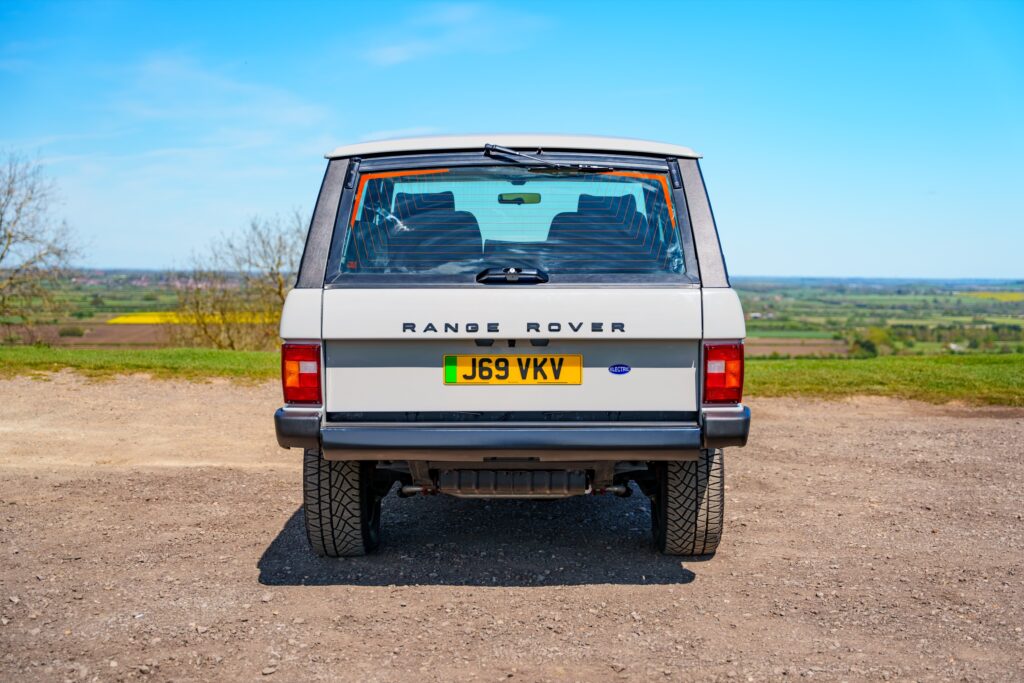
(606, 228)
(600, 219)
(430, 232)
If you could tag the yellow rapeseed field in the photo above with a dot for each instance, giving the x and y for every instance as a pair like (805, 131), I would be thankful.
(173, 318)
(146, 318)
(998, 296)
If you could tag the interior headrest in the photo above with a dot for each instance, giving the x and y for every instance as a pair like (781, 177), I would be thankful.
(408, 204)
(624, 205)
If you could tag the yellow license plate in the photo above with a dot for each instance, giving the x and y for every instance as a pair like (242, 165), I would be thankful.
(531, 369)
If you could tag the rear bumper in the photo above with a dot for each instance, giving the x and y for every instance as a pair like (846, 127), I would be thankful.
(718, 428)
(590, 437)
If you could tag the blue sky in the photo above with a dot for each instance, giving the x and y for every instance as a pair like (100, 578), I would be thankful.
(840, 139)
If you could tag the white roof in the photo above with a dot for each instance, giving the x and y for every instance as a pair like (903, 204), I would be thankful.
(522, 141)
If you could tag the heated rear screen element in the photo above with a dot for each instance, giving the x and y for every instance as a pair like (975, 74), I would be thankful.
(455, 223)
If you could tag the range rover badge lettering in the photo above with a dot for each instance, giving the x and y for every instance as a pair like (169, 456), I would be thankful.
(472, 328)
(540, 328)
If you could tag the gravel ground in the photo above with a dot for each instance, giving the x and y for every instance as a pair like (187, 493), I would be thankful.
(150, 530)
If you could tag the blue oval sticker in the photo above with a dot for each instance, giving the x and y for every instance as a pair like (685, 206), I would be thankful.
(620, 369)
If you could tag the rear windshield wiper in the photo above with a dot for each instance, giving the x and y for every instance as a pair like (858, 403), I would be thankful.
(511, 276)
(549, 166)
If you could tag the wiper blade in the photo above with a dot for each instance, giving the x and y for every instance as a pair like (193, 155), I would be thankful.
(512, 276)
(554, 166)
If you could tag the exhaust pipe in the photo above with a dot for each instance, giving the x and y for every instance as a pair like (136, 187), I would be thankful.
(410, 490)
(617, 490)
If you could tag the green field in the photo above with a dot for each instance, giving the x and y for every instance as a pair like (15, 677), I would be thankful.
(975, 379)
(163, 363)
(992, 379)
(99, 294)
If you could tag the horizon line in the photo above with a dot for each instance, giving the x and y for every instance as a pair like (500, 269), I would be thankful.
(1018, 280)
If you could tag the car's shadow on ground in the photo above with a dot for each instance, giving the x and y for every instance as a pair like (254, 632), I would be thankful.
(442, 540)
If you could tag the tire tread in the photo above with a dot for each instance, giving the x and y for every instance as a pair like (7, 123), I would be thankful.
(694, 506)
(331, 494)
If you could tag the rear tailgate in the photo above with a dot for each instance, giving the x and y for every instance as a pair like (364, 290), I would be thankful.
(385, 351)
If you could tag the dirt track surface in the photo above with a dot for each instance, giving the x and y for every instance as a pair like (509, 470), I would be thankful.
(149, 530)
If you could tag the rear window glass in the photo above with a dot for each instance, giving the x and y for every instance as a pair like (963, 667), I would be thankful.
(453, 223)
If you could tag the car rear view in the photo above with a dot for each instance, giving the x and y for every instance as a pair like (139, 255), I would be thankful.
(512, 316)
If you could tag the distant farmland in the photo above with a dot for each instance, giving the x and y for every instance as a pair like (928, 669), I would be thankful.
(785, 317)
(796, 346)
(798, 317)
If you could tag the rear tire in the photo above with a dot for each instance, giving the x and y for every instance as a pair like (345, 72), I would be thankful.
(341, 506)
(688, 505)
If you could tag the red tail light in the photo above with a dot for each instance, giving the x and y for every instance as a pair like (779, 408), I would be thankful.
(300, 373)
(723, 373)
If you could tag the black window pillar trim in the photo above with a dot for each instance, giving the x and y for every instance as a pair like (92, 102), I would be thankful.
(705, 234)
(313, 266)
(687, 236)
(343, 219)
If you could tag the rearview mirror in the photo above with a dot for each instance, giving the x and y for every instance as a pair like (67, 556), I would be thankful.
(519, 198)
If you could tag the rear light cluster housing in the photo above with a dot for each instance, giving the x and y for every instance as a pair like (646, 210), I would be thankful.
(300, 374)
(723, 373)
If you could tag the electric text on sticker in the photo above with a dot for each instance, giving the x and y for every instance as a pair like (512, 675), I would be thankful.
(500, 368)
(473, 328)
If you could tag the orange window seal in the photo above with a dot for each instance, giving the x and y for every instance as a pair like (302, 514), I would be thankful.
(652, 176)
(387, 174)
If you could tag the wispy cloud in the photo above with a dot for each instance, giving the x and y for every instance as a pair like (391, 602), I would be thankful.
(454, 28)
(177, 111)
(172, 148)
(14, 65)
(410, 132)
(174, 87)
(15, 55)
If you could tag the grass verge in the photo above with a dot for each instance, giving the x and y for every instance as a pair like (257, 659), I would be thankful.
(974, 379)
(164, 363)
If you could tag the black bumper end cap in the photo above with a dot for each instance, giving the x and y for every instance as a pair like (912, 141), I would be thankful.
(297, 430)
(723, 430)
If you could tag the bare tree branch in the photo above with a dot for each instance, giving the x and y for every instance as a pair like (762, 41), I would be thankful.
(233, 296)
(35, 249)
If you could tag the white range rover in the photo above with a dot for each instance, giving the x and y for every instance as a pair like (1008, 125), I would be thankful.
(512, 316)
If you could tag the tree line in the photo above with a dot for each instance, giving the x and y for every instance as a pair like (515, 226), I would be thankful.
(229, 298)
